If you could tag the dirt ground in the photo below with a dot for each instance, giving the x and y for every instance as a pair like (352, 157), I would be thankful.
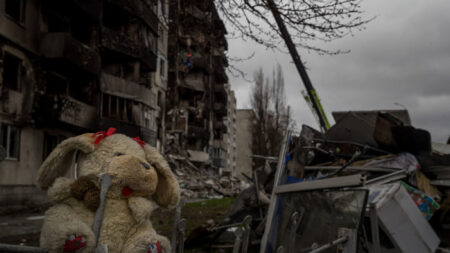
(24, 228)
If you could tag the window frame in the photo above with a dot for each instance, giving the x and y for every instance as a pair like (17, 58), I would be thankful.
(21, 20)
(20, 71)
(46, 144)
(8, 141)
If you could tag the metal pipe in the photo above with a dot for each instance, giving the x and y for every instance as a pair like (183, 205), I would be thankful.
(175, 225)
(247, 229)
(352, 143)
(331, 244)
(373, 169)
(105, 183)
(180, 230)
(273, 158)
(296, 217)
(380, 178)
(238, 239)
(388, 180)
(374, 229)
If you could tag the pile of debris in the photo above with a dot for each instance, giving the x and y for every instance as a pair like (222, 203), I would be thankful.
(332, 190)
(199, 180)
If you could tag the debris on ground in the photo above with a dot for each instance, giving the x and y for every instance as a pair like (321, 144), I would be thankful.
(199, 180)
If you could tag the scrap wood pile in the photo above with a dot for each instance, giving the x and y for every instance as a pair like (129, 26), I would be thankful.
(376, 151)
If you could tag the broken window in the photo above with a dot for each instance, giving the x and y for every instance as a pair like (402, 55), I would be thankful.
(105, 105)
(56, 84)
(10, 140)
(56, 23)
(322, 216)
(113, 106)
(129, 71)
(116, 107)
(83, 33)
(160, 99)
(82, 90)
(161, 35)
(50, 143)
(118, 66)
(149, 119)
(12, 72)
(162, 68)
(151, 40)
(162, 6)
(15, 9)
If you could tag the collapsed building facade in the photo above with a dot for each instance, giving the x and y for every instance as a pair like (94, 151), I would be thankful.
(197, 98)
(69, 67)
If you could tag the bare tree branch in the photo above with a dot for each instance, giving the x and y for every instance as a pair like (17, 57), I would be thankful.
(306, 20)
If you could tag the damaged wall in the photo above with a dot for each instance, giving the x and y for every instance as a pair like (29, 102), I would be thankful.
(196, 79)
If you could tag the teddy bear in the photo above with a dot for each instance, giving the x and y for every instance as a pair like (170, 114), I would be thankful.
(141, 181)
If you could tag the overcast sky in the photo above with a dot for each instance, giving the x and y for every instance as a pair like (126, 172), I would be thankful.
(402, 57)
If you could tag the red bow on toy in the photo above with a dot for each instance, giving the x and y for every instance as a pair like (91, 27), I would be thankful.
(138, 140)
(102, 134)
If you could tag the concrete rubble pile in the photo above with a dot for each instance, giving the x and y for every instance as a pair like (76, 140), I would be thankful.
(199, 180)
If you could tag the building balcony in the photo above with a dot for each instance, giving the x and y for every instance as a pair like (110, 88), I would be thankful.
(220, 61)
(219, 144)
(149, 58)
(220, 93)
(220, 109)
(140, 9)
(91, 9)
(219, 162)
(149, 136)
(65, 109)
(62, 46)
(194, 82)
(120, 87)
(198, 132)
(121, 43)
(220, 75)
(201, 63)
(194, 11)
(220, 125)
(202, 5)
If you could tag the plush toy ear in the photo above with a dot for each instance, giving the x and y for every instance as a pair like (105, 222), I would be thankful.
(167, 192)
(60, 159)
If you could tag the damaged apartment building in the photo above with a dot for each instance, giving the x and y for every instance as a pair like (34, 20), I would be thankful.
(76, 66)
(198, 118)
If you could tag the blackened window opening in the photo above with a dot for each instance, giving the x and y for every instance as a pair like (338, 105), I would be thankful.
(15, 9)
(12, 71)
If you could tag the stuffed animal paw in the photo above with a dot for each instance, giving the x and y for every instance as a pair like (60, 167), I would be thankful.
(155, 248)
(74, 243)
